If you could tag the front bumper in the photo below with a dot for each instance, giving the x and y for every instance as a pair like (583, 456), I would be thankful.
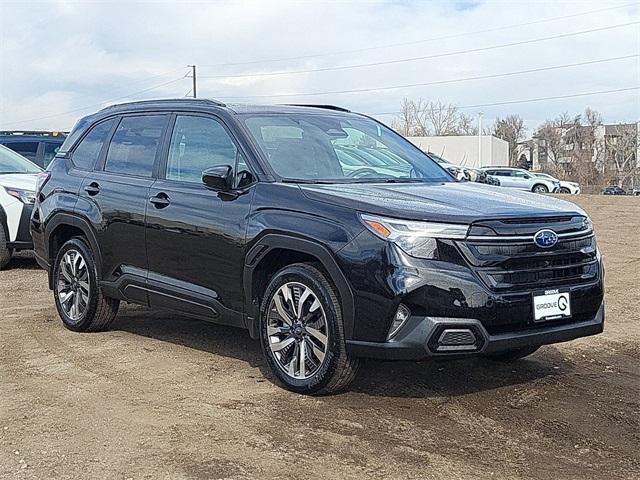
(419, 338)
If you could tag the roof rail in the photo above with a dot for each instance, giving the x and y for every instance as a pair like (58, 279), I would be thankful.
(327, 107)
(206, 101)
(32, 133)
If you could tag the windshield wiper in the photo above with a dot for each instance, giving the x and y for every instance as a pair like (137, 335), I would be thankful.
(307, 181)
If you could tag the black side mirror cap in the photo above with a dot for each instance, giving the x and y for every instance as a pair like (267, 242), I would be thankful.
(218, 178)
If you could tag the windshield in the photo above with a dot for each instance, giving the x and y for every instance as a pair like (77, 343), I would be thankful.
(333, 148)
(11, 162)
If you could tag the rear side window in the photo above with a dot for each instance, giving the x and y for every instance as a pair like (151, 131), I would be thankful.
(50, 150)
(134, 145)
(26, 149)
(86, 153)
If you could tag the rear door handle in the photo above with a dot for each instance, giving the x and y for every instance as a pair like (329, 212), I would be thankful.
(161, 200)
(92, 189)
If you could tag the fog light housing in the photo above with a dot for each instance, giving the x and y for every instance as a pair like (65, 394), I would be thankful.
(399, 319)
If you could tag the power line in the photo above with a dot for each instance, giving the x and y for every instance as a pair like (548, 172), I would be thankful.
(426, 40)
(530, 100)
(96, 104)
(425, 57)
(435, 82)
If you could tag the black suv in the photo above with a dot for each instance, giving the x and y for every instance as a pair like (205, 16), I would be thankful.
(252, 216)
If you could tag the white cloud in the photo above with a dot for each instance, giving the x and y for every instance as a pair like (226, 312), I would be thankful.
(64, 55)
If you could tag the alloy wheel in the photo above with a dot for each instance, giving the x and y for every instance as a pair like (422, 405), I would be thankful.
(297, 330)
(73, 285)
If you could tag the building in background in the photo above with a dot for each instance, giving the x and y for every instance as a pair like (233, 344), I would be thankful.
(466, 150)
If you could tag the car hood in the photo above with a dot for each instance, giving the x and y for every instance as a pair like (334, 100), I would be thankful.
(22, 181)
(453, 202)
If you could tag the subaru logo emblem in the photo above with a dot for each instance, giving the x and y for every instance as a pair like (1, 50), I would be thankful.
(545, 238)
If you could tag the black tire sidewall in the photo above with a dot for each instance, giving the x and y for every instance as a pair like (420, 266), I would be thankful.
(333, 315)
(84, 323)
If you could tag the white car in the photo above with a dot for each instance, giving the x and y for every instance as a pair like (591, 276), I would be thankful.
(565, 187)
(18, 179)
(522, 179)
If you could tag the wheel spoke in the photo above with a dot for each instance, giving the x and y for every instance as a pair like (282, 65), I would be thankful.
(303, 298)
(84, 286)
(277, 346)
(319, 354)
(65, 297)
(318, 335)
(271, 330)
(286, 318)
(303, 353)
(291, 368)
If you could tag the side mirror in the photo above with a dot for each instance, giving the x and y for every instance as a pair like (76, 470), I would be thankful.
(219, 178)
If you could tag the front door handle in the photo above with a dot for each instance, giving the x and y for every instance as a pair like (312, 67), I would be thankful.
(92, 189)
(161, 200)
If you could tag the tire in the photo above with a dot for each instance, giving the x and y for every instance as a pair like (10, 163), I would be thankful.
(540, 188)
(5, 252)
(564, 190)
(286, 336)
(513, 355)
(79, 300)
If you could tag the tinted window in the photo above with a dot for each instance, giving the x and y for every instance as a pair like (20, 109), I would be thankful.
(133, 148)
(87, 151)
(26, 149)
(502, 173)
(11, 162)
(198, 143)
(50, 150)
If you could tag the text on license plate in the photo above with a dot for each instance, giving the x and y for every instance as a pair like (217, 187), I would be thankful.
(551, 305)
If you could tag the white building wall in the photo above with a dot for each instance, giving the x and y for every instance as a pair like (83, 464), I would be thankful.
(463, 150)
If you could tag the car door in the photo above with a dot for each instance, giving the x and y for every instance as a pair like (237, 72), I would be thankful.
(521, 180)
(116, 195)
(506, 180)
(196, 236)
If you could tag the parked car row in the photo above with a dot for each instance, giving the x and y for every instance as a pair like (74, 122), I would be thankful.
(37, 146)
(616, 190)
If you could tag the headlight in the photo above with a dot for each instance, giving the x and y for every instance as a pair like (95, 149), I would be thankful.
(418, 239)
(25, 196)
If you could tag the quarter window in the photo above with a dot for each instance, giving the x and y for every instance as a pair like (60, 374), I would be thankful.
(134, 145)
(198, 143)
(87, 151)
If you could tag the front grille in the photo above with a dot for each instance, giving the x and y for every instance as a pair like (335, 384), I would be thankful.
(515, 263)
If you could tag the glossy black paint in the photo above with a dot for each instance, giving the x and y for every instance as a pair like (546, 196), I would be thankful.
(208, 251)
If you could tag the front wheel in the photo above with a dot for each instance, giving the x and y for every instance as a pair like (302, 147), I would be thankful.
(513, 355)
(79, 299)
(5, 251)
(302, 333)
(539, 188)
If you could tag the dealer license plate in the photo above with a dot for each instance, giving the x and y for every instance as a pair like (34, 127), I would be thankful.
(551, 305)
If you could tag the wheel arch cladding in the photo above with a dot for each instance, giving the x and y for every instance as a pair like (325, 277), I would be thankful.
(61, 228)
(274, 251)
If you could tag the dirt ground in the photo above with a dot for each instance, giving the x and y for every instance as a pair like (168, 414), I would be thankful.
(161, 396)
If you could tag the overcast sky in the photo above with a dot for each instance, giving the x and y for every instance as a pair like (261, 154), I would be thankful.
(60, 60)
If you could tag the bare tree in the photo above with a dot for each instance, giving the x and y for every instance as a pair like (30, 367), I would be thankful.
(511, 129)
(404, 123)
(424, 118)
(622, 154)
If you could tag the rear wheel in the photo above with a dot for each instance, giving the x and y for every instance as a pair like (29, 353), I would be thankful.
(302, 333)
(5, 251)
(513, 355)
(539, 188)
(79, 299)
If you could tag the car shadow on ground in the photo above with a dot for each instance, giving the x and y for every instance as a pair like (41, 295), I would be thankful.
(22, 261)
(434, 378)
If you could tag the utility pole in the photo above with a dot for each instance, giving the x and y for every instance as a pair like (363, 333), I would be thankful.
(193, 79)
(480, 139)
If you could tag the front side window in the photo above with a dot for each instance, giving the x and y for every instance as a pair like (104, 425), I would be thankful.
(134, 145)
(339, 148)
(86, 153)
(198, 143)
